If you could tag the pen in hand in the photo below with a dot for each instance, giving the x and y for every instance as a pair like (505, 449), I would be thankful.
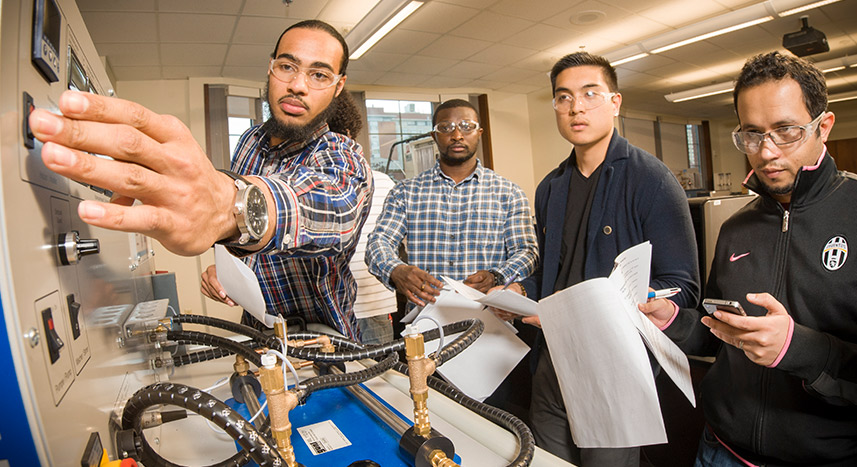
(509, 282)
(664, 293)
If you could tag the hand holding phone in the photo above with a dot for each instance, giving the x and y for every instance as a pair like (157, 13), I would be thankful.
(729, 306)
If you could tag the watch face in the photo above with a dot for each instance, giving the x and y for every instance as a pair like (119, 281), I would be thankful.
(257, 213)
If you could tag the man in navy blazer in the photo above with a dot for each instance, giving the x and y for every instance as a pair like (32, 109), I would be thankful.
(606, 197)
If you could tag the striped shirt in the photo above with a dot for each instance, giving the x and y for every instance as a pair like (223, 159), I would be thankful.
(322, 188)
(455, 229)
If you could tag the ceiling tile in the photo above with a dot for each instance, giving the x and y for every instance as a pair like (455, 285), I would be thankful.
(230, 7)
(445, 81)
(348, 12)
(135, 73)
(491, 26)
(377, 61)
(121, 27)
(113, 5)
(193, 54)
(510, 75)
(539, 37)
(471, 70)
(678, 13)
(528, 11)
(179, 27)
(501, 54)
(438, 17)
(590, 10)
(454, 47)
(130, 54)
(258, 30)
(184, 72)
(400, 79)
(425, 65)
(363, 76)
(404, 42)
(248, 55)
(277, 8)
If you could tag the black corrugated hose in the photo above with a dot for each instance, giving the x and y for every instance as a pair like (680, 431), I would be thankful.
(254, 444)
(470, 329)
(317, 383)
(194, 337)
(526, 442)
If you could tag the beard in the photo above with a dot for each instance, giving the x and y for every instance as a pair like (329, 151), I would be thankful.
(453, 161)
(291, 132)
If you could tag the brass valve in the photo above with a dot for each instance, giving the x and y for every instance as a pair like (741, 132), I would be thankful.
(280, 402)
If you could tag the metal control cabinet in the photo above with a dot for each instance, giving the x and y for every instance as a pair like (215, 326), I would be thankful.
(64, 370)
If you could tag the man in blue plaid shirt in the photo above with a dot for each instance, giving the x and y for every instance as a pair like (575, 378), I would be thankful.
(458, 219)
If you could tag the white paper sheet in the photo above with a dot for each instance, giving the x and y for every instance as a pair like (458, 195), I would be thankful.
(502, 299)
(602, 366)
(479, 369)
(241, 284)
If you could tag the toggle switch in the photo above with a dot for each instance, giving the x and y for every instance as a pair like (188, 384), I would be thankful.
(73, 315)
(70, 247)
(51, 336)
(29, 139)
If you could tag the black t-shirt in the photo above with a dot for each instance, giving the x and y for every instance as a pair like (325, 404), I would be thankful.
(581, 191)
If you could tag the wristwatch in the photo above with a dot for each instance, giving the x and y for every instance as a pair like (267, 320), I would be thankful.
(498, 278)
(250, 210)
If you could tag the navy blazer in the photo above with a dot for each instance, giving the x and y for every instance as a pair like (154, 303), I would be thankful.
(637, 199)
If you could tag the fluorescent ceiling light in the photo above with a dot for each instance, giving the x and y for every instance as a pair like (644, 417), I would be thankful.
(371, 20)
(706, 29)
(709, 35)
(801, 9)
(705, 91)
(845, 96)
(629, 59)
(827, 66)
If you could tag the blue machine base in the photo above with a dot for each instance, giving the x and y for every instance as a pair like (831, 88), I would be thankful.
(371, 439)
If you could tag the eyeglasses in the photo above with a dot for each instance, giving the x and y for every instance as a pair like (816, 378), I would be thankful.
(750, 142)
(316, 78)
(464, 126)
(564, 101)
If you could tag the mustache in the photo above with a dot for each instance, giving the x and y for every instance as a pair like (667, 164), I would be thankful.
(295, 97)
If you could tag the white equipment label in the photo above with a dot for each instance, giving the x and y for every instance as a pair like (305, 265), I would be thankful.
(323, 437)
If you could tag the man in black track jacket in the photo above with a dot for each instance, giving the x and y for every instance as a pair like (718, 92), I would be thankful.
(783, 387)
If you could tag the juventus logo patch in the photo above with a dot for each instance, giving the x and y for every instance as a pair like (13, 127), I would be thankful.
(835, 253)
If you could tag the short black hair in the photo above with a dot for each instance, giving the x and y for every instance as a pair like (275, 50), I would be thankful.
(775, 66)
(321, 26)
(585, 59)
(451, 104)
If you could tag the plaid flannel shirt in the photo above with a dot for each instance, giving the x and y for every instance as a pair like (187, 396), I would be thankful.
(455, 229)
(322, 188)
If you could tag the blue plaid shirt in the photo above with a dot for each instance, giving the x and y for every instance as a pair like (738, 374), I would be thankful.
(455, 229)
(323, 190)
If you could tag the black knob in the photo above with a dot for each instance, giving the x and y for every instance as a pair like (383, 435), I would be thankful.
(70, 247)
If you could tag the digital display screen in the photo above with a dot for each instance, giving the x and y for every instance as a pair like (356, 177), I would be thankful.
(52, 24)
(47, 28)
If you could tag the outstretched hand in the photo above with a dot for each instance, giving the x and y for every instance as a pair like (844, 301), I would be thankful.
(186, 203)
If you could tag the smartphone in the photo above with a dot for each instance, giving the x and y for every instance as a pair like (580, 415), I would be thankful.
(729, 306)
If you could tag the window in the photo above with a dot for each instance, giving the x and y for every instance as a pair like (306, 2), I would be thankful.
(389, 122)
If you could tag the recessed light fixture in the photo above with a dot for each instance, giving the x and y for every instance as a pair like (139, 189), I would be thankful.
(587, 17)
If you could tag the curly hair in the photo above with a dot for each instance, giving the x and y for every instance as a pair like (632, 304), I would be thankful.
(775, 66)
(345, 119)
